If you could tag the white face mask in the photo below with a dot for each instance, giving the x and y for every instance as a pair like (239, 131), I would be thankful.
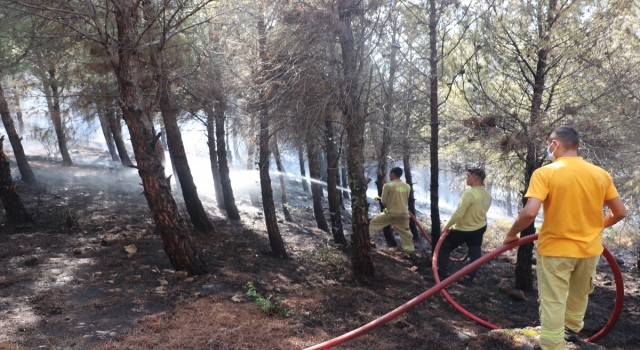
(550, 155)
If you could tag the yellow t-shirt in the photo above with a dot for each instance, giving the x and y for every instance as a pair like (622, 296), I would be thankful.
(573, 193)
(471, 213)
(395, 197)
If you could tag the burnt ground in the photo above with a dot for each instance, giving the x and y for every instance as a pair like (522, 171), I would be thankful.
(67, 282)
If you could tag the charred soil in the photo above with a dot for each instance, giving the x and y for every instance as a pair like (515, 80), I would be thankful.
(90, 272)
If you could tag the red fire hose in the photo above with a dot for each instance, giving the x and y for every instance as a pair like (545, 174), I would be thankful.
(426, 236)
(459, 274)
(612, 321)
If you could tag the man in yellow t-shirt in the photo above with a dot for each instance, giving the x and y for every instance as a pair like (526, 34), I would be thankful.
(470, 220)
(572, 193)
(395, 198)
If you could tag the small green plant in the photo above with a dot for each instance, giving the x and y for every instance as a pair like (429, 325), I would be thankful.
(269, 306)
(70, 218)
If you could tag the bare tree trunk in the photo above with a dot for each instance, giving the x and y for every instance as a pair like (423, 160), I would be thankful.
(126, 64)
(114, 124)
(283, 190)
(435, 124)
(106, 131)
(314, 173)
(26, 173)
(524, 273)
(412, 200)
(332, 181)
(354, 119)
(302, 171)
(16, 212)
(345, 181)
(387, 136)
(177, 153)
(16, 98)
(275, 239)
(51, 90)
(213, 157)
(223, 166)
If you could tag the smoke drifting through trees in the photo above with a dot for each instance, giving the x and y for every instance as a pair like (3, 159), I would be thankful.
(368, 84)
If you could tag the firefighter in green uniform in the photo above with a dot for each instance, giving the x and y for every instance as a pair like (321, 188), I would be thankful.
(395, 198)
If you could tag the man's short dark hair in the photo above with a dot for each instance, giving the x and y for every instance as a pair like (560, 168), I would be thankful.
(567, 135)
(477, 172)
(396, 171)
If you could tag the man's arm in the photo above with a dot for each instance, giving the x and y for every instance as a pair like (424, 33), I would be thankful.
(465, 202)
(385, 195)
(617, 211)
(524, 219)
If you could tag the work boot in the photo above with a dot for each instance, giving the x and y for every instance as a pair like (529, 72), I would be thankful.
(571, 336)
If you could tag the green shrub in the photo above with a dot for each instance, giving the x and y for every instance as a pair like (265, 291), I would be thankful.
(268, 305)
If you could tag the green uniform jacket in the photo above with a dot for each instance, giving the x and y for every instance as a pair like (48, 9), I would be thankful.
(471, 213)
(395, 197)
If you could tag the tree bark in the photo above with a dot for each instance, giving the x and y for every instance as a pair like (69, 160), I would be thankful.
(354, 119)
(316, 190)
(177, 153)
(332, 181)
(343, 175)
(412, 199)
(435, 124)
(283, 189)
(52, 93)
(26, 174)
(114, 124)
(275, 239)
(106, 132)
(524, 272)
(213, 157)
(16, 212)
(303, 174)
(126, 64)
(225, 180)
(387, 134)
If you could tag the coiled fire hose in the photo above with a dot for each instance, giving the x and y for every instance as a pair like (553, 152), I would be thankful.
(440, 286)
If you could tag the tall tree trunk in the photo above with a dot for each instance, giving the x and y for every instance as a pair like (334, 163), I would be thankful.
(16, 98)
(332, 182)
(303, 174)
(225, 180)
(387, 135)
(524, 273)
(355, 120)
(126, 64)
(177, 153)
(343, 175)
(412, 199)
(52, 93)
(435, 124)
(316, 190)
(26, 173)
(114, 124)
(16, 212)
(213, 157)
(275, 240)
(283, 189)
(406, 162)
(106, 132)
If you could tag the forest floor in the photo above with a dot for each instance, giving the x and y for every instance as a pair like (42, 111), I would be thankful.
(67, 281)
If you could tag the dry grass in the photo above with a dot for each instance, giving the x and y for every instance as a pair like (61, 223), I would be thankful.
(211, 323)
